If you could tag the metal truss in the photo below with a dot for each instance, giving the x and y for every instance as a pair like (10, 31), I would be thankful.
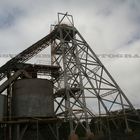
(85, 88)
(26, 54)
(27, 129)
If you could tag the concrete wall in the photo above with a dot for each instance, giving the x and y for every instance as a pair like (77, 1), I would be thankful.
(2, 106)
(32, 97)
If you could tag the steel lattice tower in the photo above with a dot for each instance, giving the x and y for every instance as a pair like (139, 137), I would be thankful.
(85, 88)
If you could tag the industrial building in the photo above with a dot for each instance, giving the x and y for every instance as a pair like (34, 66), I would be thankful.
(73, 96)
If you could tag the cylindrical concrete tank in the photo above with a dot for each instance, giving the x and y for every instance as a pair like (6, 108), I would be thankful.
(32, 98)
(2, 106)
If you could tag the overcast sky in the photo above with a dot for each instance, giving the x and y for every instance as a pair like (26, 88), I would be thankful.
(110, 27)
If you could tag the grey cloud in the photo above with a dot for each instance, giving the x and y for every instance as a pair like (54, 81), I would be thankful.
(109, 26)
(9, 17)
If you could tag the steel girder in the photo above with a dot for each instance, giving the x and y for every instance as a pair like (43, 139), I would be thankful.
(85, 88)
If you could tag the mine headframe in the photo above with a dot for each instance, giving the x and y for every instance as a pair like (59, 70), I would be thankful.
(82, 87)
